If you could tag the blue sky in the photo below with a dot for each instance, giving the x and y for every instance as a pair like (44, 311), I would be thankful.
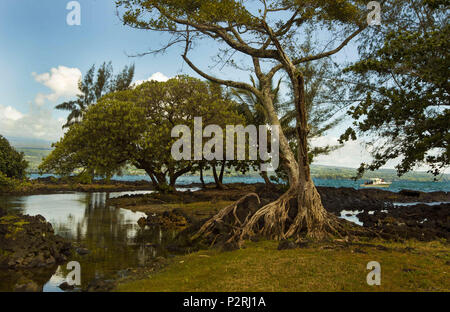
(42, 57)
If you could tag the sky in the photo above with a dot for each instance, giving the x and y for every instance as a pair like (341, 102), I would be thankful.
(42, 58)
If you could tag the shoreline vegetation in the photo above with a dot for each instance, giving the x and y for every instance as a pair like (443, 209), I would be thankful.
(51, 185)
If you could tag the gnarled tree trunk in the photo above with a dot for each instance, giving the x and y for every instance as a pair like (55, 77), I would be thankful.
(296, 213)
(299, 210)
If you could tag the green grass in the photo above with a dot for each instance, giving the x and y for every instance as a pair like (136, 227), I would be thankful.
(261, 267)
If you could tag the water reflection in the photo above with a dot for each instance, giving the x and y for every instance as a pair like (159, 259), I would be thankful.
(111, 234)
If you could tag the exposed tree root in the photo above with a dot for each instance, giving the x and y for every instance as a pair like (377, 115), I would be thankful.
(230, 218)
(296, 214)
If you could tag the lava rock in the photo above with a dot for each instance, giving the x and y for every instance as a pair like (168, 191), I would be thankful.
(26, 285)
(82, 251)
(30, 242)
(100, 285)
(230, 246)
(287, 244)
(65, 286)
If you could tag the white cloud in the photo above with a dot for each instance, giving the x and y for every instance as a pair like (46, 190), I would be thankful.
(156, 76)
(9, 113)
(38, 123)
(62, 81)
(351, 155)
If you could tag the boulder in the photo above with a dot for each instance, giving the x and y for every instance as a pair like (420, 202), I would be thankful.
(287, 244)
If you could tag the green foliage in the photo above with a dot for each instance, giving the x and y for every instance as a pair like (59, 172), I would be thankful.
(93, 87)
(84, 178)
(12, 163)
(405, 84)
(134, 127)
(6, 183)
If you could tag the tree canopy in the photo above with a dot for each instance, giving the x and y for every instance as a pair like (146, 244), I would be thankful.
(404, 82)
(134, 126)
(93, 86)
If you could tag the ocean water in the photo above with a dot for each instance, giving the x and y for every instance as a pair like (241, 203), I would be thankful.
(396, 186)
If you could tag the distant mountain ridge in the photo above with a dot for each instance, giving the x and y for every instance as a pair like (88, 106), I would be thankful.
(20, 142)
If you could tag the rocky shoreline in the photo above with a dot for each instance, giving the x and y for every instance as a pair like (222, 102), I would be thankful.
(374, 208)
(378, 209)
(52, 185)
(28, 242)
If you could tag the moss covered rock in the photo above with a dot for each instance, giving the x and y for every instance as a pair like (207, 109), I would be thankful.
(30, 242)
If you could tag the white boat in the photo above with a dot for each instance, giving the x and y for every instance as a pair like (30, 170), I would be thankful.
(376, 182)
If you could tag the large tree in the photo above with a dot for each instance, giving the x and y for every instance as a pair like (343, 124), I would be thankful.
(267, 33)
(134, 127)
(404, 81)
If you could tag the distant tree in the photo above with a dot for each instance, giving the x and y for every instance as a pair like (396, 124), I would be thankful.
(92, 87)
(12, 163)
(134, 126)
(404, 82)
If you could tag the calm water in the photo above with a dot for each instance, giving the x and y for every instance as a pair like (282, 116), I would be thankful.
(115, 240)
(396, 186)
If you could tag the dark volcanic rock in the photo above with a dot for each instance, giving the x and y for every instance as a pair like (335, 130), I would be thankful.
(171, 220)
(230, 246)
(287, 244)
(65, 286)
(100, 285)
(30, 242)
(82, 251)
(409, 193)
(337, 199)
(422, 222)
(26, 285)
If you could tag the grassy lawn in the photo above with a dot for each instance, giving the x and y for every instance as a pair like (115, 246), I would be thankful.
(261, 267)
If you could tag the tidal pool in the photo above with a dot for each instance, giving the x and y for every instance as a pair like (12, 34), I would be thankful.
(114, 239)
